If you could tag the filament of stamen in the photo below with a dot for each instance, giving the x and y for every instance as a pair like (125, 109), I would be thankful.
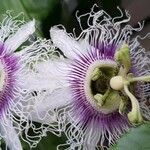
(134, 115)
(142, 78)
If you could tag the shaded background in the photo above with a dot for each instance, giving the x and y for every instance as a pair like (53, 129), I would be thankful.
(52, 12)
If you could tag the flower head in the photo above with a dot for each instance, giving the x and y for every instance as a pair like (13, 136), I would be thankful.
(95, 98)
(16, 97)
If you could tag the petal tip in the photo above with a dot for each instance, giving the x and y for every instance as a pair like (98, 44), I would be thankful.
(29, 27)
(56, 31)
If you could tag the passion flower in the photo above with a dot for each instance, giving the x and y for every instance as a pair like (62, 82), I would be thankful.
(104, 69)
(16, 93)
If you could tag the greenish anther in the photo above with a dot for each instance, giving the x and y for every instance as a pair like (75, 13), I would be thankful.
(122, 56)
(96, 74)
(110, 100)
(101, 99)
(98, 98)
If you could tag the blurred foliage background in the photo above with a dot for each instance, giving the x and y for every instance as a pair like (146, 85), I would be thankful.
(52, 12)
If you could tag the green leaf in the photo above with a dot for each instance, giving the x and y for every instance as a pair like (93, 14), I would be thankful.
(31, 8)
(137, 139)
(39, 9)
(50, 142)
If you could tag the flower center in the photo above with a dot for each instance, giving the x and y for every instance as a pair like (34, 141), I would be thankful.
(100, 79)
(97, 86)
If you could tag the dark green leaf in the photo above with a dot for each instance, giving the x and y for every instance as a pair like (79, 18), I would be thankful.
(137, 139)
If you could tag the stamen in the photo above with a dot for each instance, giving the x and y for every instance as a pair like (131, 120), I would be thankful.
(134, 115)
(96, 74)
(122, 56)
(123, 80)
(142, 78)
(101, 99)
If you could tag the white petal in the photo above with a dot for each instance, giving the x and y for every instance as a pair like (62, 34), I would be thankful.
(20, 36)
(43, 110)
(49, 75)
(56, 99)
(8, 133)
(69, 46)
